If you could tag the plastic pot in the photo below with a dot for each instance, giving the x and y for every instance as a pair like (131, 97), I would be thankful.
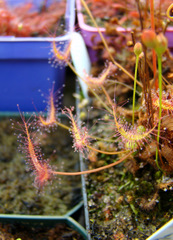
(92, 37)
(24, 65)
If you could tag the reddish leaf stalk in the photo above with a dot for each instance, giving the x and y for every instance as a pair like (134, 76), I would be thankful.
(153, 51)
(92, 170)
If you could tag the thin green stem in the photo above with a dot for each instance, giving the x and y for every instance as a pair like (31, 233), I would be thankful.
(160, 107)
(134, 89)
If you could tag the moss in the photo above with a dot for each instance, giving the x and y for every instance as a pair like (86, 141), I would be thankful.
(127, 204)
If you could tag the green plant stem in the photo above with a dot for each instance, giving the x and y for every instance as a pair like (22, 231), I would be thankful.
(105, 43)
(160, 107)
(134, 89)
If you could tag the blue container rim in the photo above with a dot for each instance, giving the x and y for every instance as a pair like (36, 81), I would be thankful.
(34, 39)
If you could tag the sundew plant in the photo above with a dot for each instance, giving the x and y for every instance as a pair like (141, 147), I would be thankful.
(140, 132)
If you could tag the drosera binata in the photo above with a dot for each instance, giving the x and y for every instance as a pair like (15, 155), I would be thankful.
(80, 134)
(63, 57)
(136, 139)
(132, 136)
(61, 54)
(52, 108)
(82, 139)
(40, 167)
(51, 119)
(94, 82)
(167, 101)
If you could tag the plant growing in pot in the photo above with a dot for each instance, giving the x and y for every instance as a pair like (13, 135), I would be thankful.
(27, 30)
(134, 199)
(97, 205)
(24, 71)
(23, 209)
(119, 19)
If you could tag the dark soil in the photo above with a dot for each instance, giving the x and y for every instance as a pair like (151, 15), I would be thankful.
(58, 232)
(126, 206)
(134, 199)
(17, 193)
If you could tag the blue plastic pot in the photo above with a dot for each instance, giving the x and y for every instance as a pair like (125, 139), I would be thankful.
(25, 69)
